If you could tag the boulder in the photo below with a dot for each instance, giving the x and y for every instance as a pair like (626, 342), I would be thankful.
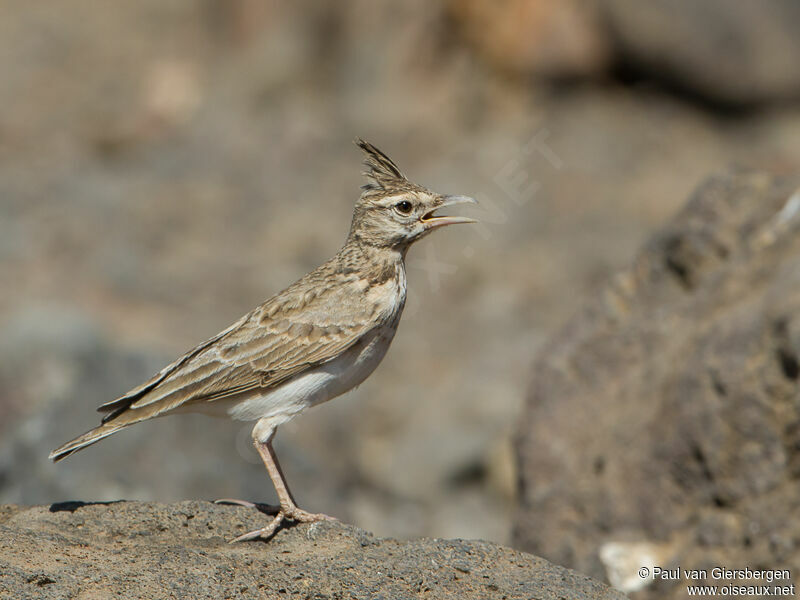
(181, 550)
(662, 424)
(727, 52)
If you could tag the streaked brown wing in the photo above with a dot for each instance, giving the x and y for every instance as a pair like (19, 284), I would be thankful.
(114, 407)
(282, 338)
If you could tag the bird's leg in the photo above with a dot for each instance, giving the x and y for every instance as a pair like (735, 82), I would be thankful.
(288, 507)
(265, 433)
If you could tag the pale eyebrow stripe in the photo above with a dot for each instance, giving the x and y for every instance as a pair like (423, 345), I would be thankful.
(389, 200)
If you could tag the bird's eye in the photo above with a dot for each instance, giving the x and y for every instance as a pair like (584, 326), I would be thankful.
(403, 207)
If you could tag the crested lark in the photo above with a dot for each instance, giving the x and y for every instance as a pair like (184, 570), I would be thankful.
(317, 339)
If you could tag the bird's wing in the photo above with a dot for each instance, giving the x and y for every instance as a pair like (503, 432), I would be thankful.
(282, 338)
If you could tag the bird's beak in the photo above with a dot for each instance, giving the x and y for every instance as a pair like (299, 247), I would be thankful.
(431, 221)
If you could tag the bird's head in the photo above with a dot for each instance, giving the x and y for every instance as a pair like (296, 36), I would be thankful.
(393, 212)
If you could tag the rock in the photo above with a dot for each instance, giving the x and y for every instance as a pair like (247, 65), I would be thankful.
(731, 52)
(134, 549)
(734, 53)
(664, 419)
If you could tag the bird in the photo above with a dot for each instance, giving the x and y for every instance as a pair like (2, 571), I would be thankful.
(315, 340)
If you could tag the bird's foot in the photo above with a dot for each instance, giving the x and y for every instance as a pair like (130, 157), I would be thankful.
(264, 533)
(302, 516)
(291, 513)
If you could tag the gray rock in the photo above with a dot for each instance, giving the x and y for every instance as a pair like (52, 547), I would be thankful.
(664, 417)
(141, 550)
(735, 52)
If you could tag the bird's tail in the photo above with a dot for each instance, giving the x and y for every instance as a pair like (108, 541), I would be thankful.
(87, 439)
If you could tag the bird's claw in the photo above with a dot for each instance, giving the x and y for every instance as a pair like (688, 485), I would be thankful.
(293, 514)
(235, 502)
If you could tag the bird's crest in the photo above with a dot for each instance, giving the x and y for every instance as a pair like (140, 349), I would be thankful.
(383, 176)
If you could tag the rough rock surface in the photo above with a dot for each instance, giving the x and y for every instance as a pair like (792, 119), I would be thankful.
(138, 550)
(663, 423)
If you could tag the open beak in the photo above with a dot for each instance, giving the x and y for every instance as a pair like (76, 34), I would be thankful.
(431, 221)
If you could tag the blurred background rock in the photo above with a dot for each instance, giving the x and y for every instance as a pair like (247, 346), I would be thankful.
(164, 167)
(662, 424)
